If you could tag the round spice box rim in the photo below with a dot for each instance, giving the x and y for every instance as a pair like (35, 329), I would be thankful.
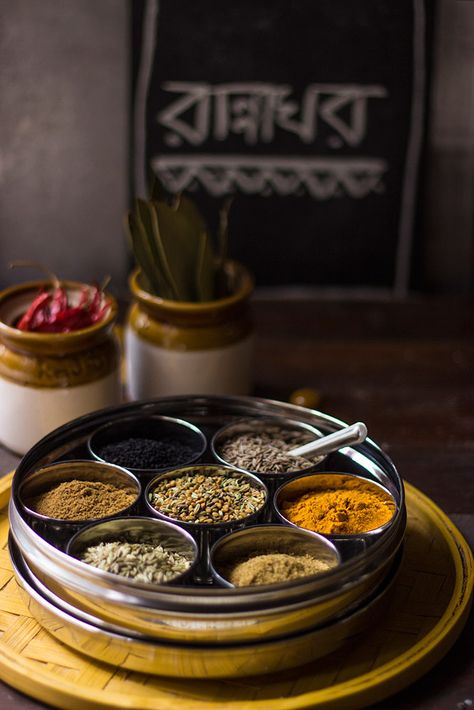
(73, 462)
(277, 526)
(179, 472)
(337, 536)
(183, 423)
(277, 420)
(127, 581)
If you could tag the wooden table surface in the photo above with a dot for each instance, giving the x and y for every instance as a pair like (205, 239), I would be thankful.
(407, 370)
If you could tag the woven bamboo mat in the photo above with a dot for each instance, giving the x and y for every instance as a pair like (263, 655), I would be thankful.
(425, 616)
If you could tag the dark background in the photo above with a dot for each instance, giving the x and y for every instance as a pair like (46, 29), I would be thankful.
(66, 135)
(298, 239)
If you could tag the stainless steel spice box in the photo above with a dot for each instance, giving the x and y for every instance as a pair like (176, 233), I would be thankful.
(205, 629)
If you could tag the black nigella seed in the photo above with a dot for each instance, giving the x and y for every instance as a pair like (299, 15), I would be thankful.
(139, 452)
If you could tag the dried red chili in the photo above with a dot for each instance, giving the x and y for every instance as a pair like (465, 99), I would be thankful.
(50, 311)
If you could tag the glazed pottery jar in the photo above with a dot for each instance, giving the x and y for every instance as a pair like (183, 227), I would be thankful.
(46, 379)
(176, 347)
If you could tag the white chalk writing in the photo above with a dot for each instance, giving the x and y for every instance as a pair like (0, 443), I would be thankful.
(259, 112)
(255, 110)
(321, 178)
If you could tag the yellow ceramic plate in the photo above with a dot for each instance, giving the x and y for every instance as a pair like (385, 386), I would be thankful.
(426, 614)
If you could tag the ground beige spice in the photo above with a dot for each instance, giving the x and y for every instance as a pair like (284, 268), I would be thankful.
(82, 500)
(275, 567)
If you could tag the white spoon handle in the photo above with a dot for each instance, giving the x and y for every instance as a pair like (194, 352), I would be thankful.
(354, 434)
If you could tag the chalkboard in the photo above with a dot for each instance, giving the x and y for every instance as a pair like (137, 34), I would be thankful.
(309, 112)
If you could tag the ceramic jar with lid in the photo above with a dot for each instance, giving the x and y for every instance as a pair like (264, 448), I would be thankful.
(46, 379)
(176, 347)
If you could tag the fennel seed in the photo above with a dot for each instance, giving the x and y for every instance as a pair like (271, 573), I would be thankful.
(151, 564)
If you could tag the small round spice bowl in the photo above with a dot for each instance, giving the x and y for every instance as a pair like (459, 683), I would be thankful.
(341, 506)
(63, 497)
(141, 551)
(208, 500)
(271, 554)
(259, 445)
(146, 445)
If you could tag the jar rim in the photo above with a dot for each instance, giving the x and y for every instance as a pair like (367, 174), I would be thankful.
(232, 268)
(31, 337)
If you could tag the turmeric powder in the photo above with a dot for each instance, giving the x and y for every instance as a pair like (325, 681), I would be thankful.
(346, 508)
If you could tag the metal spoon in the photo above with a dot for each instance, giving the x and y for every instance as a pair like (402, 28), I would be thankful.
(354, 434)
